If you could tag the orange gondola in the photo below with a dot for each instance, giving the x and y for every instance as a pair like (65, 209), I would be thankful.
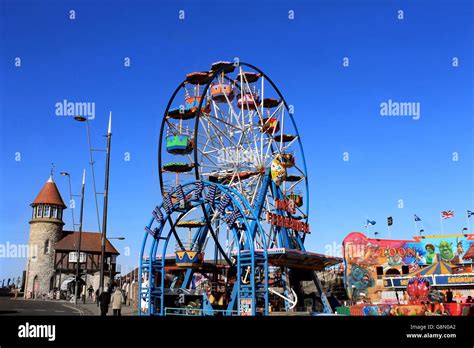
(221, 92)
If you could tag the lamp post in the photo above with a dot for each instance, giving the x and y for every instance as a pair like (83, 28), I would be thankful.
(110, 268)
(421, 232)
(106, 189)
(106, 195)
(78, 247)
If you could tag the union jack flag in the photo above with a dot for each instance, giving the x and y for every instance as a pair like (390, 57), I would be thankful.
(447, 214)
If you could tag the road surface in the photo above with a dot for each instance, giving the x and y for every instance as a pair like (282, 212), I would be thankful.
(9, 306)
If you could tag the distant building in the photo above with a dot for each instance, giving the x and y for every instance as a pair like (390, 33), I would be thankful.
(52, 251)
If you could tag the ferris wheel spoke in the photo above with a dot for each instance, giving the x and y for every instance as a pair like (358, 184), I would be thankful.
(233, 114)
(225, 122)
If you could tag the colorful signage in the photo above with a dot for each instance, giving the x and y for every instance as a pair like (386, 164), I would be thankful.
(287, 222)
(288, 206)
(373, 265)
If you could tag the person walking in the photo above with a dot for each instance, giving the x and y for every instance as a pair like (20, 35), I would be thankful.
(104, 300)
(97, 297)
(90, 290)
(117, 302)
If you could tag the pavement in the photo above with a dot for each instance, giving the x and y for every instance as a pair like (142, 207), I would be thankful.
(20, 306)
(91, 308)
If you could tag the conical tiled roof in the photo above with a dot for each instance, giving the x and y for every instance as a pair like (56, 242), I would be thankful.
(49, 194)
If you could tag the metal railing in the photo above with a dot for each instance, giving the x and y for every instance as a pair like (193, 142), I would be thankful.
(197, 312)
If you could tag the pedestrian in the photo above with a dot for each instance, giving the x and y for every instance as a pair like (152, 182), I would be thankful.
(104, 300)
(125, 289)
(117, 302)
(97, 297)
(90, 290)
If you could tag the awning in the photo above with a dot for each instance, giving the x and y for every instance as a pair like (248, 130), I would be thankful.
(440, 267)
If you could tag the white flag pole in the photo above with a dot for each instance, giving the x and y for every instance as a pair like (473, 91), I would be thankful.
(441, 219)
(468, 222)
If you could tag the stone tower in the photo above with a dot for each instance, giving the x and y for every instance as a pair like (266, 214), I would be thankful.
(46, 227)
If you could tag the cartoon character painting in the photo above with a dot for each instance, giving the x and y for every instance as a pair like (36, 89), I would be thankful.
(360, 278)
(430, 253)
(459, 251)
(445, 250)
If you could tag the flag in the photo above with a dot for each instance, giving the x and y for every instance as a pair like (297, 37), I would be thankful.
(390, 221)
(371, 223)
(447, 214)
(470, 213)
(417, 218)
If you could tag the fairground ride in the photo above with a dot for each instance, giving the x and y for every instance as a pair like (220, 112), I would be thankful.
(228, 236)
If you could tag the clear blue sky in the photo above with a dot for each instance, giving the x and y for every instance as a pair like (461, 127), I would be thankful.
(336, 108)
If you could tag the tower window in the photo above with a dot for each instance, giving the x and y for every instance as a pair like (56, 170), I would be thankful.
(46, 246)
(60, 213)
(54, 212)
(40, 211)
(47, 211)
(34, 211)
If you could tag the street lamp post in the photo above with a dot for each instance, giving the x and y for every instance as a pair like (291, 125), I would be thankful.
(106, 195)
(78, 248)
(106, 189)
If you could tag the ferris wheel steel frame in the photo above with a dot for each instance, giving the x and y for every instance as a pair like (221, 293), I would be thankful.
(254, 253)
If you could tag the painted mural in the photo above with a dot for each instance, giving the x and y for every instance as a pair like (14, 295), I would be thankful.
(369, 261)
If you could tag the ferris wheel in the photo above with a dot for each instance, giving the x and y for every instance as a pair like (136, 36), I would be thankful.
(234, 213)
(232, 126)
